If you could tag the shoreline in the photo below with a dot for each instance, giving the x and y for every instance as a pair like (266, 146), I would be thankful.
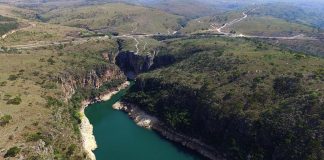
(89, 143)
(142, 119)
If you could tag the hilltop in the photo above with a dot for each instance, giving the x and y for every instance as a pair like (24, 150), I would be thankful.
(116, 17)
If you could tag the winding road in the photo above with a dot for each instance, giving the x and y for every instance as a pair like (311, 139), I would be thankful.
(244, 16)
(219, 30)
(136, 45)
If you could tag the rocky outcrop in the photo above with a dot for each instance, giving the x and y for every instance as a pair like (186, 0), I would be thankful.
(133, 64)
(188, 142)
(142, 119)
(93, 78)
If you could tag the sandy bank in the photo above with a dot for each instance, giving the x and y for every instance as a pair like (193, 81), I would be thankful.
(88, 139)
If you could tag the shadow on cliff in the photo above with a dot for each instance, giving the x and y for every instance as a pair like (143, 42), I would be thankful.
(133, 64)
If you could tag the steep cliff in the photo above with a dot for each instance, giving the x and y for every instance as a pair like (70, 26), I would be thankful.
(132, 64)
(93, 78)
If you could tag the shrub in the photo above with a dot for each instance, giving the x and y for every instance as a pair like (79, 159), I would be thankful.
(35, 73)
(34, 137)
(6, 97)
(50, 61)
(12, 152)
(4, 83)
(5, 120)
(71, 150)
(15, 101)
(12, 77)
(53, 102)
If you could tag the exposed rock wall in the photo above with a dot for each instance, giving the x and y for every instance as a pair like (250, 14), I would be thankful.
(93, 78)
(132, 64)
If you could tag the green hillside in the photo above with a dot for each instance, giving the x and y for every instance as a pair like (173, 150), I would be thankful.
(245, 98)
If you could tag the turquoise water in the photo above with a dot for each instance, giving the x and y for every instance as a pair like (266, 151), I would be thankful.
(119, 138)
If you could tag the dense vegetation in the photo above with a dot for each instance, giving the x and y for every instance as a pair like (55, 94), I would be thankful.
(251, 101)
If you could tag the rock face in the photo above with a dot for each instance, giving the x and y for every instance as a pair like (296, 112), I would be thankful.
(132, 64)
(93, 78)
(140, 117)
(188, 142)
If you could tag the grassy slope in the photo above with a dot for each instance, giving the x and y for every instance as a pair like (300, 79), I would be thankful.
(270, 26)
(203, 23)
(36, 75)
(254, 25)
(233, 99)
(116, 17)
(14, 12)
(35, 32)
(187, 8)
(32, 31)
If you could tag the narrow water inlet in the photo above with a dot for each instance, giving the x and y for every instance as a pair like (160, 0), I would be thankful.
(119, 138)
